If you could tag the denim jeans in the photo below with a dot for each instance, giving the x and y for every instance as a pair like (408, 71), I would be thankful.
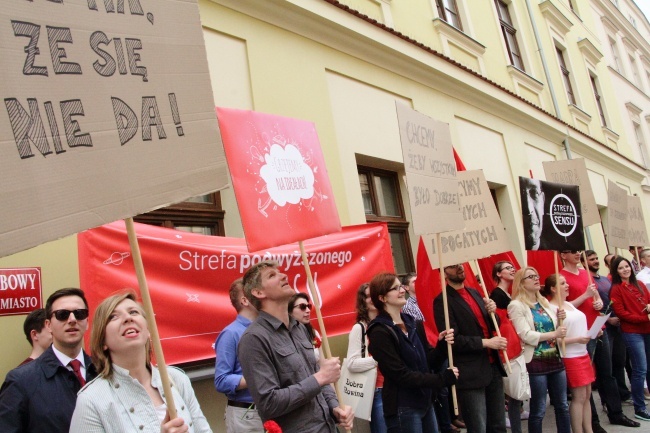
(377, 423)
(484, 408)
(514, 414)
(409, 420)
(555, 384)
(638, 346)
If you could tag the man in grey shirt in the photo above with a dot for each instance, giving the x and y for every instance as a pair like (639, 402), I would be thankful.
(287, 384)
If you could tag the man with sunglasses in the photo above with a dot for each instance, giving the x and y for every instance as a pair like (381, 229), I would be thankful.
(40, 396)
(480, 373)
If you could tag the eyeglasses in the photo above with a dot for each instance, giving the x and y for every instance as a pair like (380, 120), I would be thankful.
(62, 315)
(532, 277)
(396, 288)
(303, 307)
(507, 268)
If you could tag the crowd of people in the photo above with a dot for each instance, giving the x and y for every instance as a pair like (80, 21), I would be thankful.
(270, 364)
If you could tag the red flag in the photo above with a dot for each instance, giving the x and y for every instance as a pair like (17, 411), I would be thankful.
(543, 262)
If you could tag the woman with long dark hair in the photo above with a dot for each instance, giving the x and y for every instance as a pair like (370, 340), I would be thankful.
(300, 309)
(406, 360)
(631, 302)
(359, 358)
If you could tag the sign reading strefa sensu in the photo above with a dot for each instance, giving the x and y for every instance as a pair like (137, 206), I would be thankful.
(20, 290)
(106, 112)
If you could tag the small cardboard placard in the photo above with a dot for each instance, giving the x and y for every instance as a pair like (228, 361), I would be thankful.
(279, 176)
(107, 113)
(636, 229)
(483, 234)
(617, 218)
(430, 172)
(574, 172)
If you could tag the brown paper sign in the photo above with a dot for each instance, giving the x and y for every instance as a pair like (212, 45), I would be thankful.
(636, 229)
(617, 218)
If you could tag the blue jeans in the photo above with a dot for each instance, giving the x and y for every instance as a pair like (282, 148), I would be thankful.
(377, 423)
(638, 346)
(555, 384)
(409, 420)
(484, 408)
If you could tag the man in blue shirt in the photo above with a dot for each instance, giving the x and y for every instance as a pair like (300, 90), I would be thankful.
(241, 415)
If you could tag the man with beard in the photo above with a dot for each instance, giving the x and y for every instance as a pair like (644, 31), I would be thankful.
(480, 378)
(40, 396)
(288, 385)
(602, 356)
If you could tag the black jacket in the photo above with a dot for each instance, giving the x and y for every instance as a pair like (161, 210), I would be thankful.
(406, 363)
(472, 360)
(39, 397)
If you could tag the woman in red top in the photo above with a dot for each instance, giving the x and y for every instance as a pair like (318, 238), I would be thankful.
(631, 302)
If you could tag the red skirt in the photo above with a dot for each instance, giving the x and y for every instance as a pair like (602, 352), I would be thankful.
(579, 371)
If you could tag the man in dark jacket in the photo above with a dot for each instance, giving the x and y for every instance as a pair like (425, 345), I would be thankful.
(480, 379)
(40, 396)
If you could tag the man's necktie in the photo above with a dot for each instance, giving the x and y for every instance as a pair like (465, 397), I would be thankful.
(76, 367)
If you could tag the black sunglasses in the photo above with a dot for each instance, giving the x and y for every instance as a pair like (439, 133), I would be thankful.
(303, 307)
(62, 315)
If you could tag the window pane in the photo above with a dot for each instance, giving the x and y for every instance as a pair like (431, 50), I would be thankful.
(207, 198)
(202, 230)
(365, 194)
(397, 242)
(387, 201)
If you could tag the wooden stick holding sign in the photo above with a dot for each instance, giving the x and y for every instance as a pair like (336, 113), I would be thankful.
(558, 295)
(450, 353)
(493, 316)
(321, 324)
(151, 320)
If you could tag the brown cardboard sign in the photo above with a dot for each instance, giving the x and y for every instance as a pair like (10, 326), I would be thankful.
(430, 172)
(107, 113)
(483, 234)
(636, 230)
(574, 172)
(617, 218)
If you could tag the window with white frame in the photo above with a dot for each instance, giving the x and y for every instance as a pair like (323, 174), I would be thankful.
(448, 11)
(636, 79)
(509, 33)
(566, 76)
(615, 55)
(599, 102)
(640, 140)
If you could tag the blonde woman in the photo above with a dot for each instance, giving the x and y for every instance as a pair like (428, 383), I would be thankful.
(536, 324)
(127, 395)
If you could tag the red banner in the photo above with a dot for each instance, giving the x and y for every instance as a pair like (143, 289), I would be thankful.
(189, 275)
(20, 290)
(279, 177)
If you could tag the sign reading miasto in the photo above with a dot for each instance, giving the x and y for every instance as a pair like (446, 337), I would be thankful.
(20, 290)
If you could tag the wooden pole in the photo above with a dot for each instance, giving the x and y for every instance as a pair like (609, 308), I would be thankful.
(492, 315)
(151, 319)
(560, 303)
(450, 353)
(319, 316)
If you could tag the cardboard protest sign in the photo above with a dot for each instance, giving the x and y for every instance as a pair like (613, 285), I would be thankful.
(574, 172)
(107, 113)
(551, 215)
(483, 234)
(617, 218)
(189, 276)
(430, 172)
(636, 229)
(279, 176)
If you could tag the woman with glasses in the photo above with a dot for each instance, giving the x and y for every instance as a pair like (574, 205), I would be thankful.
(406, 360)
(300, 309)
(360, 360)
(631, 302)
(503, 273)
(536, 325)
(128, 395)
(579, 372)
